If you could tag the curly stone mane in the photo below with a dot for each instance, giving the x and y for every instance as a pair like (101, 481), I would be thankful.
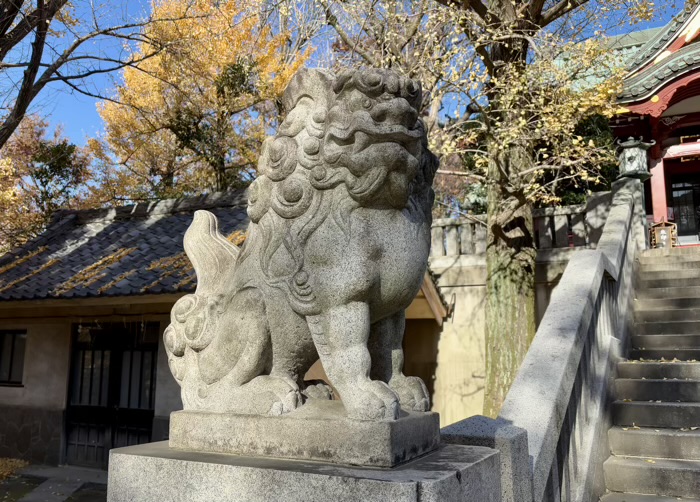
(357, 134)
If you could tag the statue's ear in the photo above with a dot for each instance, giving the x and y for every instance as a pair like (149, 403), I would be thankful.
(212, 256)
(310, 83)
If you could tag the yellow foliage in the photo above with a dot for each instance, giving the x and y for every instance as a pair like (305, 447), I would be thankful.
(9, 285)
(192, 116)
(93, 273)
(9, 466)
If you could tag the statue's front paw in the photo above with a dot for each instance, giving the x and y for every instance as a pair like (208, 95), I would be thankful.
(284, 393)
(317, 389)
(413, 394)
(371, 400)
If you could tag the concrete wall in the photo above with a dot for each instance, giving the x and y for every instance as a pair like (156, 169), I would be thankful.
(31, 415)
(46, 365)
(167, 392)
(460, 357)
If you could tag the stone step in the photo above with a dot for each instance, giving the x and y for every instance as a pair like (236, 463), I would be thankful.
(674, 273)
(668, 328)
(677, 253)
(668, 303)
(666, 315)
(655, 370)
(635, 497)
(671, 391)
(663, 477)
(670, 264)
(669, 292)
(686, 280)
(656, 415)
(666, 341)
(666, 354)
(658, 443)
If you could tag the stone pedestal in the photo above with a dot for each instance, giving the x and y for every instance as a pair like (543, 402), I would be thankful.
(317, 431)
(153, 472)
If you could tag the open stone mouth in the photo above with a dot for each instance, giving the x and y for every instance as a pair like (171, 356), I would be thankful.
(364, 135)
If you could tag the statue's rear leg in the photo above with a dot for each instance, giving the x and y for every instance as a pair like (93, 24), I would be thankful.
(385, 343)
(340, 335)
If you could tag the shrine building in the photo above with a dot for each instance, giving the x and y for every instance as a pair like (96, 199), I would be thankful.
(660, 104)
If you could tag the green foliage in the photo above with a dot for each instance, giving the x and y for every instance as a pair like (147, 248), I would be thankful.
(59, 172)
(237, 79)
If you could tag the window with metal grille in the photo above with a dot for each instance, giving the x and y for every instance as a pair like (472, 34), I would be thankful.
(12, 345)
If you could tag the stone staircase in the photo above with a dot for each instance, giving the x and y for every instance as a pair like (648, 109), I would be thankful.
(655, 438)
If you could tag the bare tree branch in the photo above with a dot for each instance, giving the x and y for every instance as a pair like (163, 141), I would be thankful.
(26, 91)
(560, 9)
(42, 14)
(476, 5)
(10, 11)
(332, 21)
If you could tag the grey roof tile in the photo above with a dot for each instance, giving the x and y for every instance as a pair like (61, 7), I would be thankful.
(113, 252)
(651, 79)
(649, 51)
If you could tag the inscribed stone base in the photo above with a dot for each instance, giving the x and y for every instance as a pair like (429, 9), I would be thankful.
(317, 431)
(153, 472)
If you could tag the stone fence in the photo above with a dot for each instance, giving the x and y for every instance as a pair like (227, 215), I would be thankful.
(459, 263)
(551, 430)
(555, 228)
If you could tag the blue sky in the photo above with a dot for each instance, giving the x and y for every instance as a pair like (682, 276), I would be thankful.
(77, 114)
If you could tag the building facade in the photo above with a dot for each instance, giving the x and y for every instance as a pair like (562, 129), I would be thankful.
(660, 104)
(82, 312)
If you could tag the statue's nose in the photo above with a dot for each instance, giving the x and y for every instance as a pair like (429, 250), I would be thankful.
(396, 112)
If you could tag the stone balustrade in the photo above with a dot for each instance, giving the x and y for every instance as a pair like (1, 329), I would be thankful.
(555, 228)
(560, 397)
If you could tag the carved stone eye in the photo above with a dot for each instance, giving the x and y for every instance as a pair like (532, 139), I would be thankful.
(366, 104)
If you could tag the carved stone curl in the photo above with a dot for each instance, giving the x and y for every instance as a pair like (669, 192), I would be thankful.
(336, 250)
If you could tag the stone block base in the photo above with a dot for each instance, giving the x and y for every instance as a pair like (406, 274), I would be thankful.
(152, 472)
(317, 431)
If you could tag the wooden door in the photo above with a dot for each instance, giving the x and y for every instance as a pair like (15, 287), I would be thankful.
(112, 389)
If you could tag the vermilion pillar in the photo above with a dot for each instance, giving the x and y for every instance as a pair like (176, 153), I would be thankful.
(658, 190)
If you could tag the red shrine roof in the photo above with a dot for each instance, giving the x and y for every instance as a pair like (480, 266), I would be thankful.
(665, 71)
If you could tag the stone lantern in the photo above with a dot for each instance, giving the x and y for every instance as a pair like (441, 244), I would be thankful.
(634, 160)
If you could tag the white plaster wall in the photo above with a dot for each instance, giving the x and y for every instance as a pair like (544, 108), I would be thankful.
(461, 362)
(46, 367)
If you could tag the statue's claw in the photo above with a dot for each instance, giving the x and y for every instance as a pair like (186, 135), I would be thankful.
(371, 400)
(413, 394)
(316, 389)
(284, 395)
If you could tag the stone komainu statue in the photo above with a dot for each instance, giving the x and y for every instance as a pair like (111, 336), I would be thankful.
(336, 250)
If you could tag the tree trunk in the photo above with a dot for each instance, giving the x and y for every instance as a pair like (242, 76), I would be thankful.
(510, 282)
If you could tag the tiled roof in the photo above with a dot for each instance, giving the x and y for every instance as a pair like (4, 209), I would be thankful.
(133, 250)
(646, 76)
(663, 38)
(646, 83)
